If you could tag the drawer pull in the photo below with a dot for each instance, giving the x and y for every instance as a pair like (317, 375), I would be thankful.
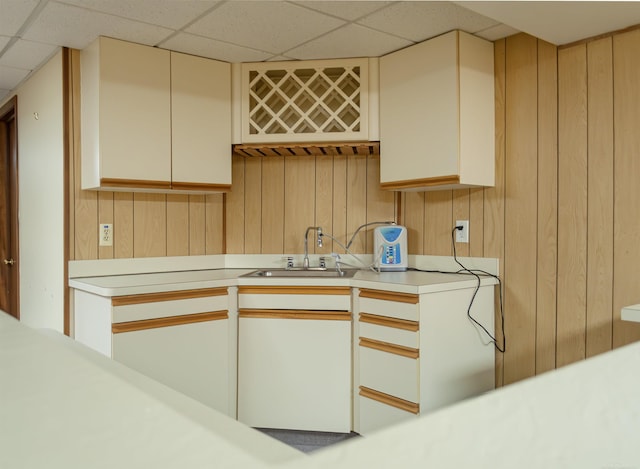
(389, 348)
(167, 296)
(144, 324)
(385, 321)
(292, 290)
(390, 400)
(390, 296)
(294, 314)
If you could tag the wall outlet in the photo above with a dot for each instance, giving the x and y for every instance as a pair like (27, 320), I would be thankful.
(462, 236)
(105, 233)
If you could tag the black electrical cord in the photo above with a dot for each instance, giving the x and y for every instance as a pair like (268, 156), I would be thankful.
(477, 273)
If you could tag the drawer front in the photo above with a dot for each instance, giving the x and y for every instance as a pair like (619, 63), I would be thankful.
(162, 309)
(295, 297)
(389, 373)
(376, 415)
(395, 331)
(389, 308)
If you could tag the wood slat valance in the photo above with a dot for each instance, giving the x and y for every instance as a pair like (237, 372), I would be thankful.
(307, 149)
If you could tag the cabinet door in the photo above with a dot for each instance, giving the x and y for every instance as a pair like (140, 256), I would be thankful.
(190, 358)
(134, 112)
(295, 374)
(201, 123)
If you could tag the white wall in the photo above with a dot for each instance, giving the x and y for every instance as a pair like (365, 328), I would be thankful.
(41, 197)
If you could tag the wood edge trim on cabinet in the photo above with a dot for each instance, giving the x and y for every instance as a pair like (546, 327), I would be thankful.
(294, 314)
(200, 187)
(401, 350)
(418, 183)
(167, 296)
(390, 400)
(156, 323)
(390, 296)
(292, 290)
(134, 184)
(386, 321)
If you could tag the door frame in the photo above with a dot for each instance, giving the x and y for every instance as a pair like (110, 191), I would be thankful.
(8, 112)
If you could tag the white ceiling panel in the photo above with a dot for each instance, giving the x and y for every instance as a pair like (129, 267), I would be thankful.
(4, 40)
(418, 21)
(269, 26)
(350, 41)
(27, 55)
(13, 14)
(205, 47)
(9, 76)
(76, 27)
(497, 32)
(172, 14)
(349, 11)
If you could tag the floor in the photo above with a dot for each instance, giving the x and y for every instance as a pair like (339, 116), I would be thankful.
(307, 441)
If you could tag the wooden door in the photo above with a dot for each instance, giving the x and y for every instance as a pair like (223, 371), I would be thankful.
(9, 209)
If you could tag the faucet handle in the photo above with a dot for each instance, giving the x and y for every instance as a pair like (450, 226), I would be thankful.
(323, 262)
(289, 260)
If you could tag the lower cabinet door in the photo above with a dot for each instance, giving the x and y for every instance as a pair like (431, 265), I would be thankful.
(378, 411)
(295, 373)
(190, 358)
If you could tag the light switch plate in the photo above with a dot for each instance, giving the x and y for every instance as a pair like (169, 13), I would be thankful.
(462, 236)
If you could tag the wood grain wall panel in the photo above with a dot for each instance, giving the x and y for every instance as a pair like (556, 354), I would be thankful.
(494, 197)
(253, 205)
(273, 205)
(339, 201)
(547, 255)
(461, 211)
(600, 197)
(196, 225)
(626, 228)
(150, 225)
(324, 201)
(438, 219)
(572, 204)
(74, 154)
(476, 222)
(413, 218)
(86, 221)
(521, 103)
(299, 203)
(123, 225)
(380, 204)
(105, 215)
(235, 208)
(214, 224)
(177, 225)
(357, 201)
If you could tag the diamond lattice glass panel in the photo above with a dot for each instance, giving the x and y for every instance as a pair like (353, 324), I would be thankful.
(304, 101)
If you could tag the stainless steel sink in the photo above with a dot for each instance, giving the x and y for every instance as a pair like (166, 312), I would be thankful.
(301, 273)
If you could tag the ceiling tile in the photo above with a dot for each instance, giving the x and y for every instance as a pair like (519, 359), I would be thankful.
(27, 55)
(4, 40)
(497, 32)
(168, 13)
(349, 41)
(11, 76)
(76, 27)
(349, 11)
(418, 21)
(269, 26)
(13, 14)
(4, 94)
(205, 47)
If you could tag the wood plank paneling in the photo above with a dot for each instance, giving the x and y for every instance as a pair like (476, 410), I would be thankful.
(413, 218)
(235, 209)
(572, 204)
(476, 222)
(196, 224)
(461, 211)
(273, 205)
(105, 215)
(380, 204)
(215, 224)
(177, 225)
(299, 204)
(438, 219)
(547, 194)
(324, 201)
(150, 222)
(626, 227)
(123, 224)
(339, 201)
(521, 103)
(253, 206)
(600, 197)
(357, 201)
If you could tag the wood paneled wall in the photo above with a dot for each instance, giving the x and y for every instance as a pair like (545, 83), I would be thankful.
(275, 199)
(563, 217)
(144, 225)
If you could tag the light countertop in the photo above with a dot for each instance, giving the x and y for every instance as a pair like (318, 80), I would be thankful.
(631, 313)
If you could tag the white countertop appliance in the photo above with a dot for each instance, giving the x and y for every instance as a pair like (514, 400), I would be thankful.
(390, 247)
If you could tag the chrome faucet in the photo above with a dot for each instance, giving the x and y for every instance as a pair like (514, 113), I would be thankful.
(318, 229)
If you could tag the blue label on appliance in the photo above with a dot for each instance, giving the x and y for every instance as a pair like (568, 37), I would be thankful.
(391, 255)
(391, 233)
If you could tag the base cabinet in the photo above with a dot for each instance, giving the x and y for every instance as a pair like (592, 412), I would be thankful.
(181, 339)
(294, 365)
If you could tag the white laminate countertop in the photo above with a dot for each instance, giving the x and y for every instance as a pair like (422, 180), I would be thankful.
(631, 313)
(405, 282)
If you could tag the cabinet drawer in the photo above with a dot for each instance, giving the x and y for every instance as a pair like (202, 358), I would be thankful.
(395, 331)
(379, 412)
(389, 372)
(390, 304)
(303, 298)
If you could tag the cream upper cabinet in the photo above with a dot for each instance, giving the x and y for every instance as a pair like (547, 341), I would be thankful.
(154, 120)
(437, 115)
(307, 101)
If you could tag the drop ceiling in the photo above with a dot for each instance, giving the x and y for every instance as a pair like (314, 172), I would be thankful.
(31, 31)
